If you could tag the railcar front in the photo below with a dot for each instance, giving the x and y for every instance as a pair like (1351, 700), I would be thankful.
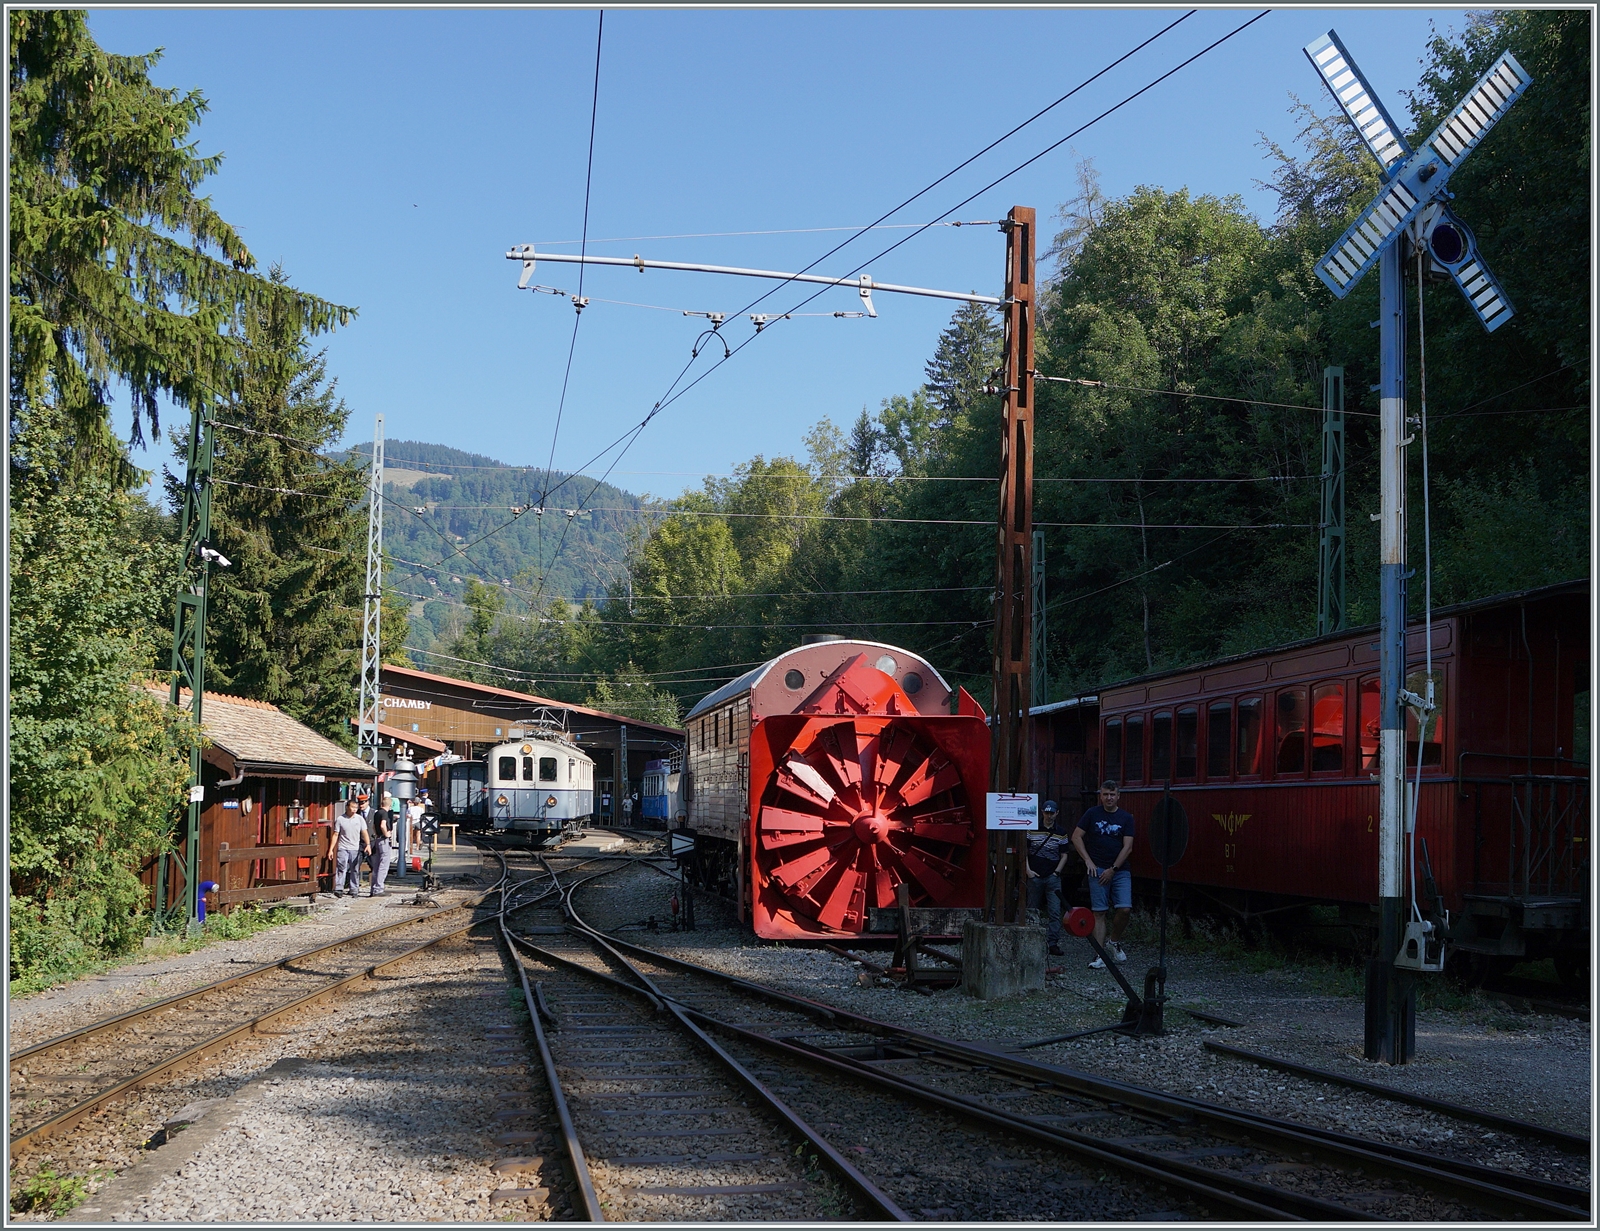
(539, 787)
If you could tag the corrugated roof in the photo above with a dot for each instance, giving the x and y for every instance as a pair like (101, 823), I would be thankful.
(261, 736)
(491, 691)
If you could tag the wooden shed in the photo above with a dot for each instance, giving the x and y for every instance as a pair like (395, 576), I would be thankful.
(273, 787)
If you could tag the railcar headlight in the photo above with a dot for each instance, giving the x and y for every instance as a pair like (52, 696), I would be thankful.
(550, 802)
(501, 800)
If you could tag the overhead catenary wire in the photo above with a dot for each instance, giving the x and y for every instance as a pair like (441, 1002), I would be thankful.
(1210, 397)
(891, 226)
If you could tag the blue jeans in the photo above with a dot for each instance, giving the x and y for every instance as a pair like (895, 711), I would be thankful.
(1119, 892)
(1045, 891)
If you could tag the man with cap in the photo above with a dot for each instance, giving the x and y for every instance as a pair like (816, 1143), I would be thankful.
(1047, 856)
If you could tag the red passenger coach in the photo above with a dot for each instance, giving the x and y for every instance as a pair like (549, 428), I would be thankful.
(1274, 756)
(824, 779)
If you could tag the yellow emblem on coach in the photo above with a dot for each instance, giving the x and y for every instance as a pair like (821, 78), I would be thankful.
(1231, 822)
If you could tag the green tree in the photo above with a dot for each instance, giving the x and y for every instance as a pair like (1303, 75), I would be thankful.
(119, 270)
(629, 693)
(963, 362)
(284, 619)
(98, 762)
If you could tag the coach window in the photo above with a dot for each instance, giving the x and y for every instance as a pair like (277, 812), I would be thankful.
(1327, 727)
(547, 769)
(1187, 749)
(1291, 726)
(1371, 721)
(1160, 747)
(1249, 741)
(527, 769)
(508, 769)
(572, 769)
(1133, 748)
(1113, 745)
(1219, 739)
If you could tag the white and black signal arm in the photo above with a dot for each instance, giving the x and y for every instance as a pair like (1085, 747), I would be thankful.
(1414, 192)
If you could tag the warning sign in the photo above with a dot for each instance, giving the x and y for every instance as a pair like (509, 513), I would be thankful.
(1013, 811)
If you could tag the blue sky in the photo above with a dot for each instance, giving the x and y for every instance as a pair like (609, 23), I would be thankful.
(389, 158)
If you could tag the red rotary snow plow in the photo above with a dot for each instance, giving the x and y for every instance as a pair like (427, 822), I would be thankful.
(856, 793)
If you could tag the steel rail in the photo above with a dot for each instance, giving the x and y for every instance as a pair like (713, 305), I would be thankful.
(198, 1051)
(1572, 1142)
(577, 1160)
(132, 1015)
(71, 1116)
(874, 1197)
(1523, 1196)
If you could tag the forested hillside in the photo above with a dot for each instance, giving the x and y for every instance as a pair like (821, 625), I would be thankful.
(1178, 447)
(453, 517)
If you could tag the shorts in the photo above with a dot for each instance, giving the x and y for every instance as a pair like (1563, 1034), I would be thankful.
(1120, 891)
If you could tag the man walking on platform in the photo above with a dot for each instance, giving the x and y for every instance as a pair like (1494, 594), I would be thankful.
(1047, 856)
(349, 841)
(380, 834)
(1104, 841)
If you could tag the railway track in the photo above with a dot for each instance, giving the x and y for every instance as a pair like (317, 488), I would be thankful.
(1218, 1160)
(59, 1082)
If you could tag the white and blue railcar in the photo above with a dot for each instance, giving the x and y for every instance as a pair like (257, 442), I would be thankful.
(539, 786)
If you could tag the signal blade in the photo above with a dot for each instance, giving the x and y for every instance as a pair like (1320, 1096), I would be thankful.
(1483, 107)
(1484, 292)
(1360, 247)
(1355, 97)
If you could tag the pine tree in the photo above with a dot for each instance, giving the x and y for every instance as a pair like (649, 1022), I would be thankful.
(284, 619)
(967, 353)
(119, 270)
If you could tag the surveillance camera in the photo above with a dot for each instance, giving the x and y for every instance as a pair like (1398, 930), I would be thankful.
(214, 556)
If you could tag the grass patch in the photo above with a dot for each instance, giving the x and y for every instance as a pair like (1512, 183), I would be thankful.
(244, 922)
(47, 1192)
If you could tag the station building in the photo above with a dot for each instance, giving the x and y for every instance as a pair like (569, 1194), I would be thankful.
(434, 714)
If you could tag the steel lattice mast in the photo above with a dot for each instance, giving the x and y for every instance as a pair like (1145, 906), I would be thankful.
(372, 609)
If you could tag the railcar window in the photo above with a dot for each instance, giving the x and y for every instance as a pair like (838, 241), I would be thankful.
(527, 769)
(547, 769)
(1580, 715)
(1188, 735)
(1160, 747)
(1291, 758)
(1249, 742)
(572, 768)
(1113, 765)
(1327, 727)
(1133, 748)
(1219, 739)
(1433, 733)
(1371, 721)
(508, 769)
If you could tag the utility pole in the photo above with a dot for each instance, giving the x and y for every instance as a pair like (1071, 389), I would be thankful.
(372, 605)
(1410, 214)
(189, 648)
(1041, 664)
(622, 773)
(1330, 557)
(1012, 761)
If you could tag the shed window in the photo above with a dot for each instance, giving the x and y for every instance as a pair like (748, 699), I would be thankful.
(508, 769)
(1371, 721)
(1327, 727)
(547, 769)
(1133, 748)
(1160, 747)
(527, 769)
(1113, 765)
(716, 730)
(1249, 742)
(1188, 736)
(1219, 739)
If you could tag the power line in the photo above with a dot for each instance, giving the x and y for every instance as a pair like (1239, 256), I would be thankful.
(1210, 397)
(892, 226)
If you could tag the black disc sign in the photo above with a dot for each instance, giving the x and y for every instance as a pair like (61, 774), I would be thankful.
(1169, 831)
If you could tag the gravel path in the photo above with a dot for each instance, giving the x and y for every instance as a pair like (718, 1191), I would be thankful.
(392, 1116)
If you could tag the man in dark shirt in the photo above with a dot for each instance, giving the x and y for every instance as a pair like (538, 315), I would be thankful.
(1047, 855)
(1104, 841)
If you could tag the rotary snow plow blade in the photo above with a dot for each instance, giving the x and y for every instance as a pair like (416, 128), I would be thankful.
(856, 795)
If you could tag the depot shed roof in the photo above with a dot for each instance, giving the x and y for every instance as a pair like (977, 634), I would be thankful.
(259, 738)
